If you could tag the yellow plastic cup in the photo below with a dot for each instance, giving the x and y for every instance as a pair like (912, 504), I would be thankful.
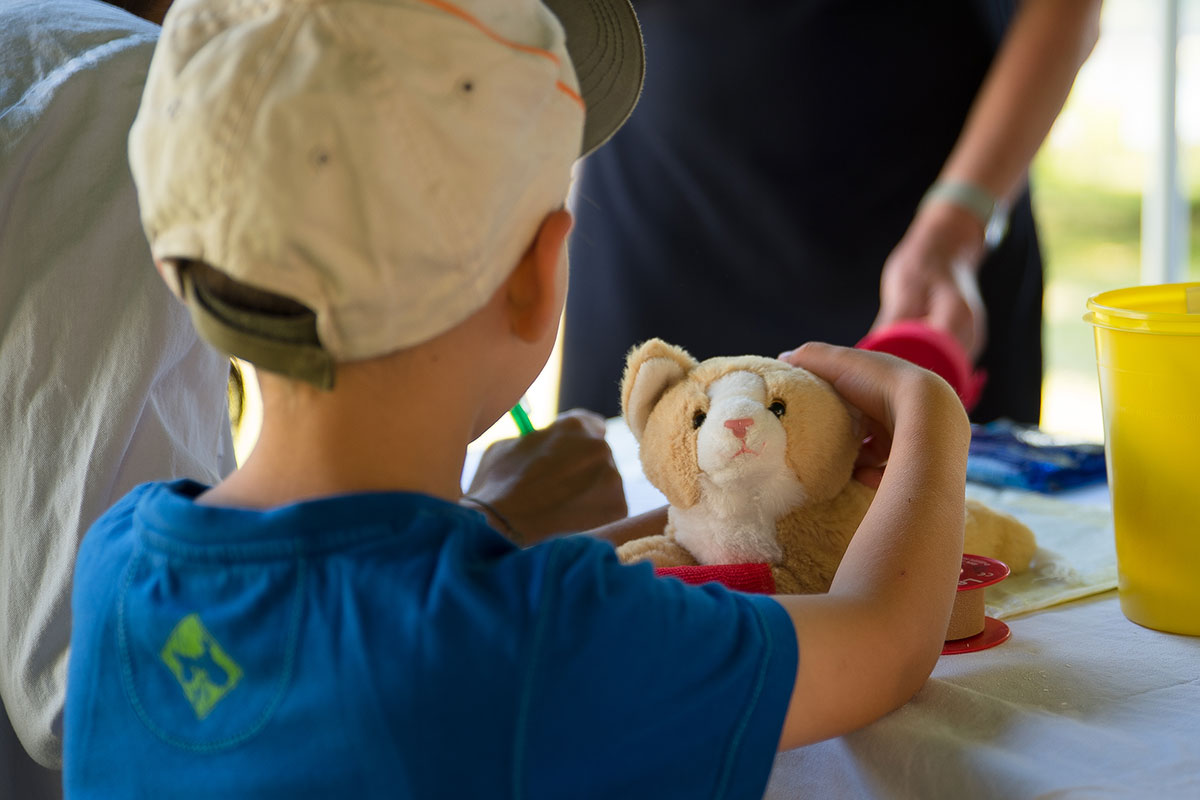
(1148, 360)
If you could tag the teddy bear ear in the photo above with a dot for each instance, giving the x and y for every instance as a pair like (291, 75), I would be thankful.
(650, 369)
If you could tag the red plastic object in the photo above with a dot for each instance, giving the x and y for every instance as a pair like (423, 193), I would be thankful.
(751, 578)
(980, 571)
(976, 573)
(994, 632)
(933, 349)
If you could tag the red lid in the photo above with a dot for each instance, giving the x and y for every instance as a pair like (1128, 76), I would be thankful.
(931, 348)
(994, 632)
(980, 571)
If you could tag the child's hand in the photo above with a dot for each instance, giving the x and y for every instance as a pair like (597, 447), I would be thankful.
(877, 384)
(559, 479)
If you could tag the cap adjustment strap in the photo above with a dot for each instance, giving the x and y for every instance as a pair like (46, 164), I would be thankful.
(287, 344)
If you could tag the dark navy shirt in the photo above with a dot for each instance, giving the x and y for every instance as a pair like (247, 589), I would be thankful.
(393, 645)
(777, 155)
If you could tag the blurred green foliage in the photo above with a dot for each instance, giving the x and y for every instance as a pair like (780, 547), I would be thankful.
(1089, 222)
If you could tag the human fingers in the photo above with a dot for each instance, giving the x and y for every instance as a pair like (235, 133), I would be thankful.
(875, 448)
(901, 298)
(597, 497)
(956, 306)
(559, 478)
(583, 495)
(885, 388)
(876, 442)
(904, 283)
(582, 419)
(574, 441)
(869, 476)
(864, 379)
(872, 455)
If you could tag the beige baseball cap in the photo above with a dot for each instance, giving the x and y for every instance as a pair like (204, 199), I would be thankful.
(385, 163)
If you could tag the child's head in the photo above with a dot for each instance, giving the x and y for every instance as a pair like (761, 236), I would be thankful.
(379, 165)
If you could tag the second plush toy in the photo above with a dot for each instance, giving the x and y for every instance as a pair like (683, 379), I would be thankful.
(756, 457)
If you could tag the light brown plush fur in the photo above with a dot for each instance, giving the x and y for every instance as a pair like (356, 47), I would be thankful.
(787, 497)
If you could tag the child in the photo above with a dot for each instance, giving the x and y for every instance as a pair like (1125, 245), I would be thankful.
(365, 199)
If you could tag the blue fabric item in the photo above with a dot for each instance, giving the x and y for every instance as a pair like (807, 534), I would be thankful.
(393, 645)
(1004, 453)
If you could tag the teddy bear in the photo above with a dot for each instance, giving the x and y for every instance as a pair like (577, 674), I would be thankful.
(756, 457)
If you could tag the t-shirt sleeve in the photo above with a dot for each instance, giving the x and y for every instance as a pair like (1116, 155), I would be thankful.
(645, 687)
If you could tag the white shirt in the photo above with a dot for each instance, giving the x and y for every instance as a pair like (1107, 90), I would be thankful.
(103, 382)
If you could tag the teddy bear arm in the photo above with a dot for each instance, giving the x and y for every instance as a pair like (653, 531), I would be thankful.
(995, 534)
(788, 581)
(661, 551)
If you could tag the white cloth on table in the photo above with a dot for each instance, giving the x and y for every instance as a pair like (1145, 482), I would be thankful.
(1079, 703)
(1076, 554)
(103, 383)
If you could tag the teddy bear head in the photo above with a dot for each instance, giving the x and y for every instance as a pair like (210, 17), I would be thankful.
(733, 431)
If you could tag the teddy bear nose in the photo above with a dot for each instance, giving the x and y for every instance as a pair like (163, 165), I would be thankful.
(739, 426)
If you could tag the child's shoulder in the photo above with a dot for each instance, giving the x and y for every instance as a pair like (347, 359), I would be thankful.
(113, 538)
(118, 521)
(106, 549)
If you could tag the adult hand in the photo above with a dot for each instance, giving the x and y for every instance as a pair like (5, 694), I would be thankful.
(931, 276)
(559, 479)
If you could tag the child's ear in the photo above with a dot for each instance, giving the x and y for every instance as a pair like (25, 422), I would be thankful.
(533, 290)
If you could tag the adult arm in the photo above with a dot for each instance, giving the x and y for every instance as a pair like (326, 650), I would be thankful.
(932, 272)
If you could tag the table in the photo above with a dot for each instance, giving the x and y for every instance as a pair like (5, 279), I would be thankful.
(1079, 703)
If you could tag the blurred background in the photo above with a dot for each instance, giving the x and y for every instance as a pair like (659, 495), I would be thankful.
(1088, 183)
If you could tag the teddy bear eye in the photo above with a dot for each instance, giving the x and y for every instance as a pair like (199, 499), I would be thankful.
(777, 408)
(698, 419)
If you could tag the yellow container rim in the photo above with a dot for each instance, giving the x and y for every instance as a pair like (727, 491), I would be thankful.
(1128, 310)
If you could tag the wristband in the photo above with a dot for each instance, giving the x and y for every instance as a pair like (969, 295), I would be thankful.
(991, 211)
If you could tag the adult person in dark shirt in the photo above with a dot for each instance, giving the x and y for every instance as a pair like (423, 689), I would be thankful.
(768, 188)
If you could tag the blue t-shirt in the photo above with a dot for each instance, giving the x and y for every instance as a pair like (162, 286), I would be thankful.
(394, 645)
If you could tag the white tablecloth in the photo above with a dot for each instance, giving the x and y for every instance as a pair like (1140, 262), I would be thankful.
(1079, 703)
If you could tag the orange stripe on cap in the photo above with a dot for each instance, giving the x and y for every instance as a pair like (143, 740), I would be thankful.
(569, 92)
(466, 16)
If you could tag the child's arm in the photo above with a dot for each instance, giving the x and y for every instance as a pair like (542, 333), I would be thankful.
(869, 644)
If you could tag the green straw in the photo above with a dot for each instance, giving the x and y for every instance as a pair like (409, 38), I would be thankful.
(522, 419)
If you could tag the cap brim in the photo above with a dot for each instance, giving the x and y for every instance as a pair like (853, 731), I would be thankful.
(604, 41)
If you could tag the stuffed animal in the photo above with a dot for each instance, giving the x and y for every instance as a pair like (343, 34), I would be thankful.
(756, 457)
